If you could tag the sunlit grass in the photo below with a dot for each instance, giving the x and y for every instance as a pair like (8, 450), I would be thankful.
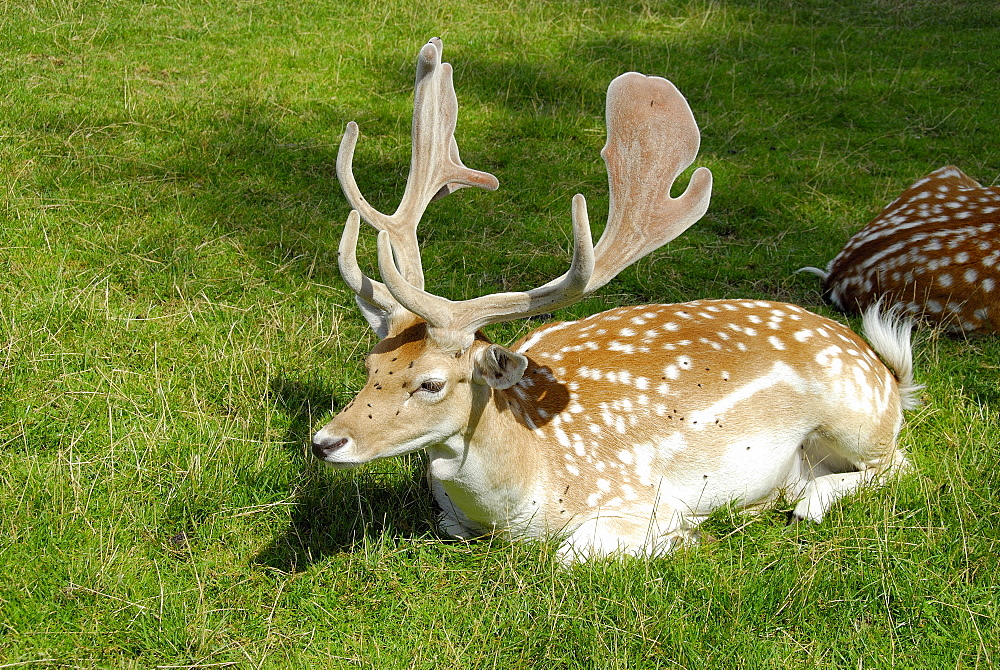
(173, 328)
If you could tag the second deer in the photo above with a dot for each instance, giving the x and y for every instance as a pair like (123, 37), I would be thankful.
(934, 251)
(620, 432)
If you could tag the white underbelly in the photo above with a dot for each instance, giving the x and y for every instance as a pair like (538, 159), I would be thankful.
(751, 470)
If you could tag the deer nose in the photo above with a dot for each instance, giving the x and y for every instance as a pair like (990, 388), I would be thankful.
(324, 445)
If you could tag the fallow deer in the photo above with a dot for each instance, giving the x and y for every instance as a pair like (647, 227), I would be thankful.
(624, 430)
(934, 250)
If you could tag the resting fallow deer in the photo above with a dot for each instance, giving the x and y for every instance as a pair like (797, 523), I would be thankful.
(934, 250)
(624, 430)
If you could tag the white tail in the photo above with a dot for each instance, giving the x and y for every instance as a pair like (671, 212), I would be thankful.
(626, 429)
(934, 251)
(889, 335)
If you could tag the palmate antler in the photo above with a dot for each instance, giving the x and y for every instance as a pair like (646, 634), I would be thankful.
(652, 138)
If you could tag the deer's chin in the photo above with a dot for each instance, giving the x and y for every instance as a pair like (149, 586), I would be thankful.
(348, 459)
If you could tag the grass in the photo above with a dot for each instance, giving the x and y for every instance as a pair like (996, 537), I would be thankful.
(174, 328)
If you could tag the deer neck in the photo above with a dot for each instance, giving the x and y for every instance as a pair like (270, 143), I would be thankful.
(494, 470)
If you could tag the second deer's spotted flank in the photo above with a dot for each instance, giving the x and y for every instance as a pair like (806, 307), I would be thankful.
(934, 251)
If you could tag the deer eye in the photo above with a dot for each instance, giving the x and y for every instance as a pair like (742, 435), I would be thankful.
(432, 386)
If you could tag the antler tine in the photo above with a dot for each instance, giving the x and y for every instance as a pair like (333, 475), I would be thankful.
(652, 138)
(435, 166)
(373, 292)
(462, 319)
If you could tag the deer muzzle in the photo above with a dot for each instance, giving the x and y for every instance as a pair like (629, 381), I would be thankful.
(325, 445)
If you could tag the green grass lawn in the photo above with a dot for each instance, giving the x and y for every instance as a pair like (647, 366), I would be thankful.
(173, 328)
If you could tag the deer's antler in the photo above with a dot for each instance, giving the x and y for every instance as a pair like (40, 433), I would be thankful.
(435, 166)
(463, 318)
(652, 138)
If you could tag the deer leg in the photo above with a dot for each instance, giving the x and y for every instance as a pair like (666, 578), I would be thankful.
(820, 493)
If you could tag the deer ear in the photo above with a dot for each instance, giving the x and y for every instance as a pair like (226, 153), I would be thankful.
(498, 367)
(376, 317)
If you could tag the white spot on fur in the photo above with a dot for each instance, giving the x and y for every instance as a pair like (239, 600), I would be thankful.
(621, 348)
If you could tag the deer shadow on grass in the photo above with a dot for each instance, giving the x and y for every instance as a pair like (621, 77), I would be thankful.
(343, 511)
